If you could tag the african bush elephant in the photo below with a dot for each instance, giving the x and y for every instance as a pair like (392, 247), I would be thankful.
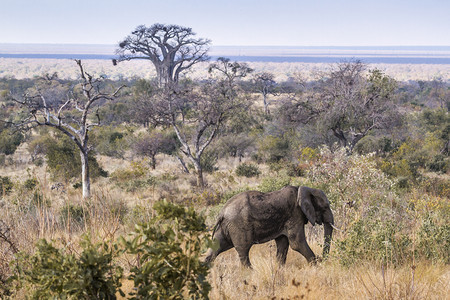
(253, 217)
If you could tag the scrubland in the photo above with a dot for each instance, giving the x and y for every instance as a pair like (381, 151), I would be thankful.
(391, 243)
(390, 197)
(29, 68)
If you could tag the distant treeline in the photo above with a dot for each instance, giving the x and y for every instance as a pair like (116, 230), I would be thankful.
(368, 58)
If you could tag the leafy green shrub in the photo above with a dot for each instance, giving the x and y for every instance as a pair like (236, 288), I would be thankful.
(434, 239)
(134, 178)
(439, 164)
(248, 170)
(52, 273)
(6, 185)
(168, 255)
(353, 184)
(64, 161)
(109, 141)
(30, 183)
(274, 148)
(374, 239)
(9, 141)
(273, 183)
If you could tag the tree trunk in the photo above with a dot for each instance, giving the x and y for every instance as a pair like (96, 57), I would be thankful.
(266, 105)
(153, 162)
(85, 177)
(199, 171)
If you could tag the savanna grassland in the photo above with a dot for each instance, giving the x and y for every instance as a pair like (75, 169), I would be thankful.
(386, 174)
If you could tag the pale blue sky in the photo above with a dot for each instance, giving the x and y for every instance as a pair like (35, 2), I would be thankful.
(232, 22)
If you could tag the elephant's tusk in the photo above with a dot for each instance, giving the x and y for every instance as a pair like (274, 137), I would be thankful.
(334, 227)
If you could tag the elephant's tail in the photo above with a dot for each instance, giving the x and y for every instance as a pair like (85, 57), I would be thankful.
(219, 221)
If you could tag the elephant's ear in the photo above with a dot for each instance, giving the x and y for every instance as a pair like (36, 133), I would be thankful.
(304, 198)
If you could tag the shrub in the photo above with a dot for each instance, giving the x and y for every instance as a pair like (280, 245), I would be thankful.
(168, 255)
(30, 183)
(248, 170)
(134, 178)
(52, 273)
(273, 183)
(439, 164)
(352, 184)
(374, 239)
(434, 239)
(6, 185)
(108, 141)
(9, 141)
(64, 161)
(72, 213)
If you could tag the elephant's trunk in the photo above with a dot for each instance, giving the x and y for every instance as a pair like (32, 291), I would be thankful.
(328, 232)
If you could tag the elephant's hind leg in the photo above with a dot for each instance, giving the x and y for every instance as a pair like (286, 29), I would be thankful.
(282, 248)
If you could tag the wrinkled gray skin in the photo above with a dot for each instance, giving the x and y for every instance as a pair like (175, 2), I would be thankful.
(253, 217)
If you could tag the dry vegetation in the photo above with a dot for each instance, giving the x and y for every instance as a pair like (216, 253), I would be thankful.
(392, 219)
(113, 211)
(28, 68)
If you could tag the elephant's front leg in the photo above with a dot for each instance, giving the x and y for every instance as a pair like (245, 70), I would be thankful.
(282, 248)
(297, 241)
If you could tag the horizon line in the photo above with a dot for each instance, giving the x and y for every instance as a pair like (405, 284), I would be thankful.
(236, 45)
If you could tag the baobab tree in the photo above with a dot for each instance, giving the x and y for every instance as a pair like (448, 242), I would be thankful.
(69, 110)
(171, 48)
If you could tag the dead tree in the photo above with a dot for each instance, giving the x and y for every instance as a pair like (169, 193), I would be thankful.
(71, 111)
(171, 48)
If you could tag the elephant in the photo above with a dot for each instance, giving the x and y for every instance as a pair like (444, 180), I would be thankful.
(254, 217)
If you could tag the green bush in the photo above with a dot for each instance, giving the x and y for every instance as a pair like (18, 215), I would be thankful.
(108, 141)
(439, 164)
(273, 183)
(374, 239)
(9, 141)
(248, 170)
(134, 178)
(64, 161)
(52, 273)
(30, 184)
(6, 185)
(434, 239)
(168, 255)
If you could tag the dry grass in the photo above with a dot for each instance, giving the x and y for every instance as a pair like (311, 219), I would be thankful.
(328, 280)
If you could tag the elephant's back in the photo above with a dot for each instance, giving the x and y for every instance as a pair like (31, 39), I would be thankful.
(254, 203)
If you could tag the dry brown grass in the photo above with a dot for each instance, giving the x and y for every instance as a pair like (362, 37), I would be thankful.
(327, 280)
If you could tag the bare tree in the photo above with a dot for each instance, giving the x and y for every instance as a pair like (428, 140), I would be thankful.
(197, 112)
(348, 101)
(171, 48)
(265, 84)
(152, 143)
(69, 110)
